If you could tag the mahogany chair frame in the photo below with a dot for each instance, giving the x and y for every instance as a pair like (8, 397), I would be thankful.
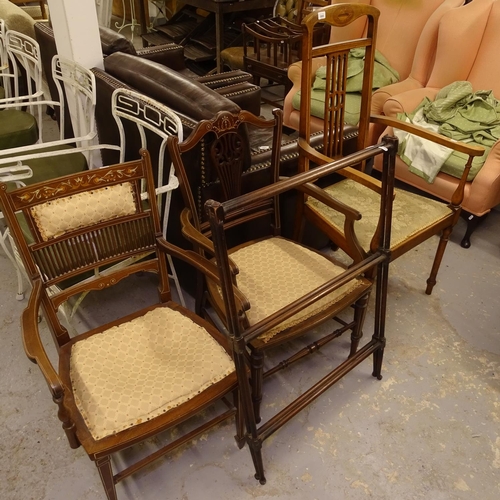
(53, 259)
(244, 336)
(226, 151)
(335, 56)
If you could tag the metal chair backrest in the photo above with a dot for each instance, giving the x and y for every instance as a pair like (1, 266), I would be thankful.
(24, 56)
(4, 61)
(153, 121)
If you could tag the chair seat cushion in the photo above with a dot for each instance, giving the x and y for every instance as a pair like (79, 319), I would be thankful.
(17, 129)
(275, 272)
(136, 371)
(411, 212)
(53, 167)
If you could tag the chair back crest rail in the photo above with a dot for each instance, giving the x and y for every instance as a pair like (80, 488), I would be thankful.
(225, 145)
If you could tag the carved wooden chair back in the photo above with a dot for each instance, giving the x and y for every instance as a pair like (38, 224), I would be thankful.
(270, 296)
(80, 223)
(227, 172)
(335, 58)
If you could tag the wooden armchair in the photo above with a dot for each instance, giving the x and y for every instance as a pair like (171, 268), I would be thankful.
(166, 363)
(350, 206)
(271, 271)
(407, 34)
(415, 218)
(272, 290)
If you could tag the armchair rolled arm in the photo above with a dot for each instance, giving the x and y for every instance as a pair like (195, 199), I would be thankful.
(170, 55)
(33, 345)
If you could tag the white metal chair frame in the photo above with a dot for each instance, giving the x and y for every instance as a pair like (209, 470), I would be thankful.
(23, 51)
(79, 83)
(4, 61)
(151, 115)
(146, 113)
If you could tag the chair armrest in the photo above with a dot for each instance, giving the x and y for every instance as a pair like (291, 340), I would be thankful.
(349, 172)
(470, 150)
(206, 267)
(170, 55)
(462, 147)
(322, 196)
(32, 342)
(193, 235)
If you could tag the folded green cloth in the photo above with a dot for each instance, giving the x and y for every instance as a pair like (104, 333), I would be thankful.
(461, 114)
(383, 75)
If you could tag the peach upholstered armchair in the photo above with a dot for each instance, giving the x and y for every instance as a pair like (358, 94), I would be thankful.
(467, 50)
(400, 26)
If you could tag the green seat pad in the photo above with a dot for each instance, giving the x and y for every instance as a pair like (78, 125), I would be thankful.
(17, 129)
(411, 214)
(55, 166)
(2, 93)
(383, 74)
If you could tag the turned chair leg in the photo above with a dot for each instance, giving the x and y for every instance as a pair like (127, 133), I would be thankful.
(240, 421)
(431, 281)
(255, 446)
(359, 318)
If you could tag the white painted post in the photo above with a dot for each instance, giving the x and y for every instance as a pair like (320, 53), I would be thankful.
(76, 31)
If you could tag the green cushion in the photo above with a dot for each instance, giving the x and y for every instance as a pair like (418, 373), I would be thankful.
(2, 92)
(351, 110)
(17, 129)
(55, 166)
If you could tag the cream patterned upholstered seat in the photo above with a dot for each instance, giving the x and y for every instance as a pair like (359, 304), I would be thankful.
(136, 371)
(276, 272)
(411, 213)
(134, 377)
